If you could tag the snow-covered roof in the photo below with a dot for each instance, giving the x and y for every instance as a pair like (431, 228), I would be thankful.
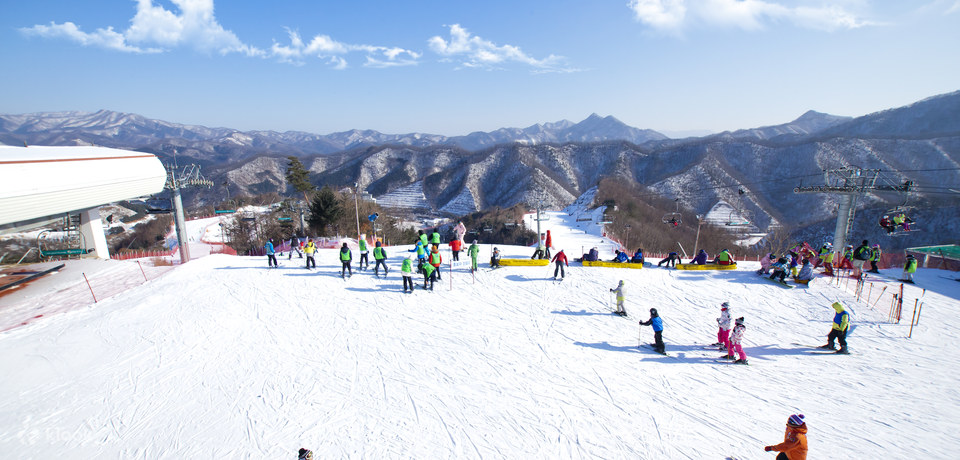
(40, 181)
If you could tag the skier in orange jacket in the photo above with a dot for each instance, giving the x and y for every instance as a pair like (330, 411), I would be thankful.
(794, 445)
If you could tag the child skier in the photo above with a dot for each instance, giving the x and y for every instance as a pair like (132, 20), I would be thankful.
(455, 246)
(765, 263)
(380, 256)
(421, 251)
(345, 258)
(736, 338)
(909, 268)
(779, 270)
(363, 253)
(560, 260)
(619, 290)
(309, 249)
(723, 333)
(495, 258)
(435, 259)
(839, 328)
(875, 258)
(406, 272)
(657, 324)
(794, 445)
(271, 254)
(473, 251)
(429, 274)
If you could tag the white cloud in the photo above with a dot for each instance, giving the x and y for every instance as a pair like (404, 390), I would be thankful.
(955, 8)
(103, 38)
(154, 28)
(475, 52)
(326, 48)
(673, 16)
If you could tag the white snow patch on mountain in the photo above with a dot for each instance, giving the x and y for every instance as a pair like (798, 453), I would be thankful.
(407, 197)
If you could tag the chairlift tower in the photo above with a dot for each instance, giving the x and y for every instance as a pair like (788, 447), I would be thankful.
(851, 183)
(189, 176)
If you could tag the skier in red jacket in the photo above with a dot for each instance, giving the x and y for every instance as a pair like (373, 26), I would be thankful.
(560, 259)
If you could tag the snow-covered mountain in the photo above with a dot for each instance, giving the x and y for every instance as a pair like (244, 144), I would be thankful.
(220, 145)
(767, 162)
(808, 123)
(563, 159)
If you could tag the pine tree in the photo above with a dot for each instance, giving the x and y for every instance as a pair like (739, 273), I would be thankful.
(298, 176)
(325, 209)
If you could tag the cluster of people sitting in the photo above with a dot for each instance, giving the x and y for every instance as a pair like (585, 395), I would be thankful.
(790, 265)
(619, 256)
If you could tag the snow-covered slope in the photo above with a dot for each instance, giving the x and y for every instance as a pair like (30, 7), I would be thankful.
(224, 358)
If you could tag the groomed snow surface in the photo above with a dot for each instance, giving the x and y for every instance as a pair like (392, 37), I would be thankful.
(222, 357)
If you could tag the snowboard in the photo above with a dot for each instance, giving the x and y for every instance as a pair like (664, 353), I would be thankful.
(778, 283)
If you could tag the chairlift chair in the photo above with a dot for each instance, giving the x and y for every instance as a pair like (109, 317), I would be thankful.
(673, 218)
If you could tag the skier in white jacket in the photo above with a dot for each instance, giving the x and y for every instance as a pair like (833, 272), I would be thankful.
(736, 338)
(723, 333)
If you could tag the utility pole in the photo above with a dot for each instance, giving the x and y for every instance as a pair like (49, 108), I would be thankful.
(699, 223)
(356, 205)
(189, 177)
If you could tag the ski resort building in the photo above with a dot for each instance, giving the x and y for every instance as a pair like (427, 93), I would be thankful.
(45, 185)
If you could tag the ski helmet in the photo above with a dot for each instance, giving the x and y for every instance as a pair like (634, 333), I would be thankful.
(739, 320)
(653, 312)
(725, 305)
(795, 420)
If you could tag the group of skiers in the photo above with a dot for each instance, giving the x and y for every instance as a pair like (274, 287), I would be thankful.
(729, 338)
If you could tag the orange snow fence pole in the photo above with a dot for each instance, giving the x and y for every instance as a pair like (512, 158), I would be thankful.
(88, 286)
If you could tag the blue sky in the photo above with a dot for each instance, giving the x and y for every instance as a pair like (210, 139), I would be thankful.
(449, 67)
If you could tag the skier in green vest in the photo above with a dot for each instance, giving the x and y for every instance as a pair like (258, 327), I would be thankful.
(406, 272)
(429, 274)
(345, 258)
(380, 256)
(363, 253)
(909, 269)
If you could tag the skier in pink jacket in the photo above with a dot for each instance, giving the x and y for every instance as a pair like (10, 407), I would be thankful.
(736, 338)
(723, 333)
(765, 264)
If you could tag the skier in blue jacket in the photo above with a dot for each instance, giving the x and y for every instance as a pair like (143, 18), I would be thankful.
(271, 254)
(421, 251)
(657, 324)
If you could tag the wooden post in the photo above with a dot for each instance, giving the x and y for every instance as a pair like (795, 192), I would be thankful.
(88, 286)
(913, 317)
(880, 296)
